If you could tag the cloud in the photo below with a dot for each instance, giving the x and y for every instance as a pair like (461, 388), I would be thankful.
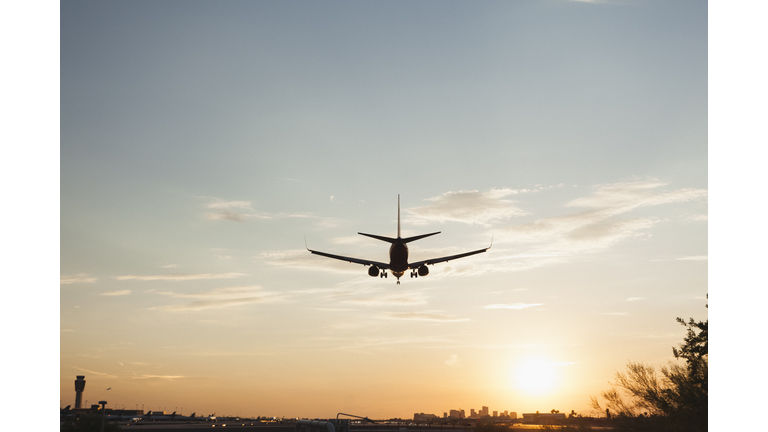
(599, 226)
(78, 278)
(453, 360)
(423, 316)
(183, 276)
(403, 298)
(219, 204)
(227, 215)
(694, 258)
(239, 211)
(304, 260)
(103, 374)
(169, 266)
(221, 298)
(517, 306)
(168, 377)
(634, 298)
(471, 207)
(116, 293)
(614, 313)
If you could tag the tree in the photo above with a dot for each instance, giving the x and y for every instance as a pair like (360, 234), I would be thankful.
(674, 400)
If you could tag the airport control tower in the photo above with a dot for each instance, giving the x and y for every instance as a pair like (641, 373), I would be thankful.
(79, 387)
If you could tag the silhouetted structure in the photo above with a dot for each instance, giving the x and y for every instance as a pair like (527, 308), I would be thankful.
(79, 387)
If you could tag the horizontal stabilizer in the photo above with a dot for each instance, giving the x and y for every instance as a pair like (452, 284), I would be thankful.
(410, 239)
(382, 238)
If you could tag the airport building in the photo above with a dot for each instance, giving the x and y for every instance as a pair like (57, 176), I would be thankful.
(543, 418)
(425, 418)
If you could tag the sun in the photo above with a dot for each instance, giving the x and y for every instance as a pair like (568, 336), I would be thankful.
(535, 376)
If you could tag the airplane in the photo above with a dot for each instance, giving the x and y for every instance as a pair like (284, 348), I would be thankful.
(398, 255)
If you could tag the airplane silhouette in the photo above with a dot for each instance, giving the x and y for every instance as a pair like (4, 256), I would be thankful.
(398, 255)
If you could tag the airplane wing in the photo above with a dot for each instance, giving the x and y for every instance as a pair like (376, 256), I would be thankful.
(418, 264)
(380, 265)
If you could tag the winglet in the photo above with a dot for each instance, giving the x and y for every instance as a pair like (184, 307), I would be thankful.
(305, 242)
(491, 242)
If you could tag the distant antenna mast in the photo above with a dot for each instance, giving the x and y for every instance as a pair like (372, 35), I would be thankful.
(398, 215)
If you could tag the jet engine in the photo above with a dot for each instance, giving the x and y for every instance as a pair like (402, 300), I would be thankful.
(373, 271)
(423, 270)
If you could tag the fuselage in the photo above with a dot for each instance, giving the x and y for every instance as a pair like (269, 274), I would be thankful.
(398, 258)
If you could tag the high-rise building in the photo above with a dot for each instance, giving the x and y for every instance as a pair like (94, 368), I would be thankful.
(472, 412)
(484, 411)
(495, 413)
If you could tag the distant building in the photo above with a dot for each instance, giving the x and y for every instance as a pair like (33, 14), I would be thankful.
(456, 414)
(472, 413)
(445, 415)
(543, 418)
(495, 413)
(484, 411)
(512, 415)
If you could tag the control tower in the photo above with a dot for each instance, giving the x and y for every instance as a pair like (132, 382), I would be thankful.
(79, 387)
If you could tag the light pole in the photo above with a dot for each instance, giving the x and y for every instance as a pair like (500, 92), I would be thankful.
(103, 413)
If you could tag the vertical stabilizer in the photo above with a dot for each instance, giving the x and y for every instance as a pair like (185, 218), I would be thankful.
(398, 215)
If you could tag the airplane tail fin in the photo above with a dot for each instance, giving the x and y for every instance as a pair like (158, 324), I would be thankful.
(398, 215)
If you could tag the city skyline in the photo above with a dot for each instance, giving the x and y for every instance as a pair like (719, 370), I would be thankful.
(202, 143)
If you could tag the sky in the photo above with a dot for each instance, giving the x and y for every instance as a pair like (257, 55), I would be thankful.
(203, 143)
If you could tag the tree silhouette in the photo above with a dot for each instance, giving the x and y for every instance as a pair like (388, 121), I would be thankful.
(674, 400)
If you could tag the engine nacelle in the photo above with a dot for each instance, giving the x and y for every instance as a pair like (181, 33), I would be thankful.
(423, 270)
(373, 271)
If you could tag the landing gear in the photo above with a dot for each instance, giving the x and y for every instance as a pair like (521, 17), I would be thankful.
(383, 274)
(414, 274)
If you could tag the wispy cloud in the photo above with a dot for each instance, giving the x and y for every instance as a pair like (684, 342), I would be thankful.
(116, 293)
(471, 207)
(634, 298)
(78, 278)
(221, 298)
(404, 298)
(167, 377)
(453, 360)
(183, 276)
(600, 226)
(694, 258)
(239, 211)
(517, 306)
(103, 374)
(435, 316)
(304, 260)
(614, 313)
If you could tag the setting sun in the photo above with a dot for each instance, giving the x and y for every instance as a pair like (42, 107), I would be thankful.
(536, 376)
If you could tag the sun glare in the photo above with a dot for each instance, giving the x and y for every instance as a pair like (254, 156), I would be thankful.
(535, 376)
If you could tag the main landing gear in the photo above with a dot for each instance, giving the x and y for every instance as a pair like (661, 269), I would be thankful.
(414, 274)
(383, 274)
